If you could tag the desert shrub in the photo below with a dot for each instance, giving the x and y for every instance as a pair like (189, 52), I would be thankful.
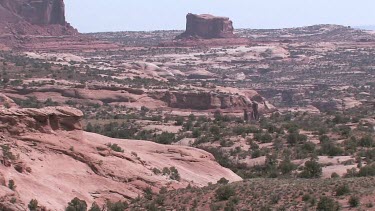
(33, 205)
(160, 199)
(327, 204)
(156, 171)
(165, 138)
(340, 119)
(7, 153)
(256, 153)
(163, 190)
(166, 171)
(354, 201)
(196, 133)
(263, 138)
(275, 198)
(11, 185)
(306, 197)
(335, 175)
(308, 146)
(179, 121)
(286, 166)
(117, 206)
(330, 149)
(76, 204)
(342, 190)
(174, 174)
(224, 192)
(223, 181)
(351, 173)
(312, 169)
(295, 138)
(115, 147)
(366, 141)
(366, 171)
(148, 193)
(95, 207)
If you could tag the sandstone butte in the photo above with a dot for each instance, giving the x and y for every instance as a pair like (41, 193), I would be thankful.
(207, 27)
(206, 30)
(53, 160)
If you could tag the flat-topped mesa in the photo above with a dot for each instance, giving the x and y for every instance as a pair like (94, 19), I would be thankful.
(207, 27)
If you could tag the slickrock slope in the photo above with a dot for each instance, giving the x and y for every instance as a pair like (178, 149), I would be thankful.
(51, 159)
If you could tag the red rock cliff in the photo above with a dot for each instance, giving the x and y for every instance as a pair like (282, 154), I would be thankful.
(34, 17)
(207, 27)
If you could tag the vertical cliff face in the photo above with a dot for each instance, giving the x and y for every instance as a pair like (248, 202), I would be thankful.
(44, 12)
(42, 17)
(207, 27)
(40, 12)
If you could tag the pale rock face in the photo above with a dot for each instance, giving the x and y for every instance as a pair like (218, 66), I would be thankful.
(57, 161)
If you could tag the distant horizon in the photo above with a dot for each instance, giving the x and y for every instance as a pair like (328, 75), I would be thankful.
(364, 27)
(147, 15)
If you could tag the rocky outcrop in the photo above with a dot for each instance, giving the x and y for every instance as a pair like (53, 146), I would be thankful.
(40, 17)
(207, 27)
(208, 100)
(50, 159)
(45, 120)
(6, 102)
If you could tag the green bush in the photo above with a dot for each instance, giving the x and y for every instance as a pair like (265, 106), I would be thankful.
(335, 175)
(95, 207)
(366, 141)
(76, 204)
(33, 205)
(224, 192)
(11, 184)
(117, 206)
(174, 174)
(366, 171)
(342, 190)
(115, 147)
(327, 204)
(223, 181)
(312, 169)
(295, 138)
(165, 138)
(354, 201)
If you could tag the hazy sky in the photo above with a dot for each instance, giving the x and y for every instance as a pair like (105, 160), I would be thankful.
(140, 15)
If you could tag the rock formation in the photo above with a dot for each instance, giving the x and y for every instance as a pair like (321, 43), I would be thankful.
(49, 157)
(207, 100)
(40, 17)
(207, 27)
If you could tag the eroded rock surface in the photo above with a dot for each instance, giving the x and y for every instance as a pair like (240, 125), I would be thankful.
(52, 160)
